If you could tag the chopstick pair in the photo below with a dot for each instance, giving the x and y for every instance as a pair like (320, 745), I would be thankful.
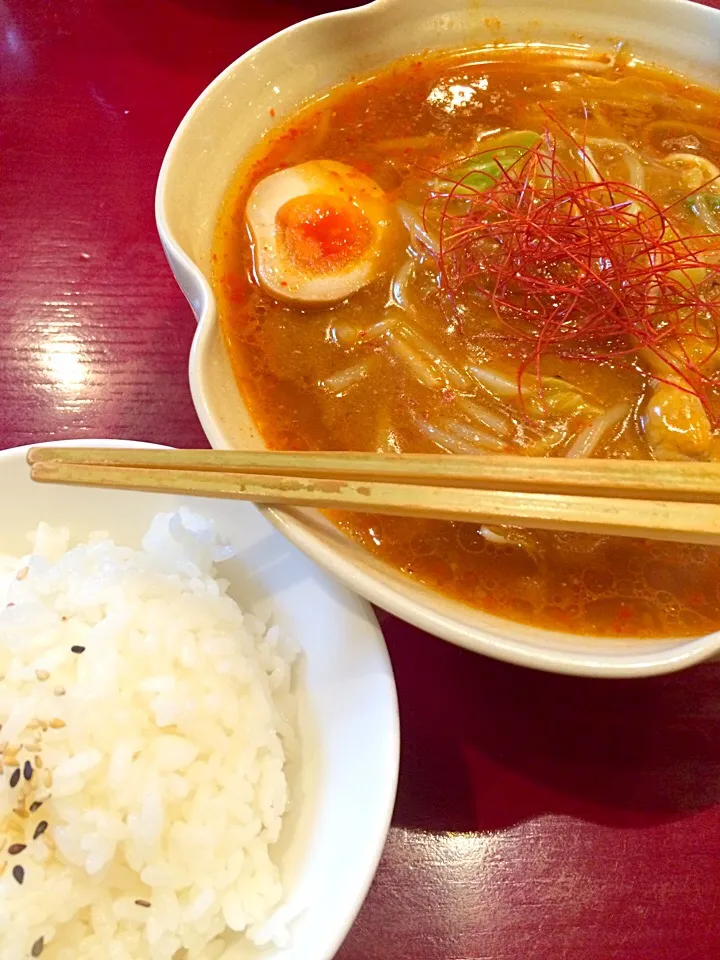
(632, 498)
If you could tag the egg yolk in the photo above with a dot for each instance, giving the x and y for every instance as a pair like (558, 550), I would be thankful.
(321, 233)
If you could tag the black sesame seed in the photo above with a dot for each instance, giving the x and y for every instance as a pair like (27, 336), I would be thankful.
(143, 903)
(15, 778)
(19, 874)
(27, 770)
(38, 947)
(40, 829)
(16, 848)
(77, 649)
(35, 806)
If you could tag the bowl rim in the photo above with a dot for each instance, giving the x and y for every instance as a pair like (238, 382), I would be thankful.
(391, 740)
(678, 654)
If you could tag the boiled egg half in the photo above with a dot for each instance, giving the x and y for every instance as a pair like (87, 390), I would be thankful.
(320, 232)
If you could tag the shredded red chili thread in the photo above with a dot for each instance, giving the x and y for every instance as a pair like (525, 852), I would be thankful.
(583, 267)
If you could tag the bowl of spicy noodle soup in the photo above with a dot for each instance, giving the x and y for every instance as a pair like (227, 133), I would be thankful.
(413, 228)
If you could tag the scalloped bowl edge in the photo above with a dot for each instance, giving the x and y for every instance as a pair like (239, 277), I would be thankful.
(229, 118)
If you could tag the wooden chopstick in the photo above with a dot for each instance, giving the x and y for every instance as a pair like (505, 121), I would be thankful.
(644, 479)
(349, 482)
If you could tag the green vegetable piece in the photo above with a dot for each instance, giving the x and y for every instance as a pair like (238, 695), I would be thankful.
(499, 153)
(712, 201)
(558, 398)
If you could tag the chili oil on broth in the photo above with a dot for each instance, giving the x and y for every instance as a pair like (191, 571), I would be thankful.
(334, 379)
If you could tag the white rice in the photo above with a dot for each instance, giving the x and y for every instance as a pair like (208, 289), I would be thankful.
(158, 751)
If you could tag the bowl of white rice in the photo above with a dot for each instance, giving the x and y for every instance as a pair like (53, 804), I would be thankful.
(199, 732)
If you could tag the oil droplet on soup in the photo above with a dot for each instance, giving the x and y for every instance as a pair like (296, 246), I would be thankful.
(383, 285)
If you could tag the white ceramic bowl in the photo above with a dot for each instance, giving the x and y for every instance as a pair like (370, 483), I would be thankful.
(344, 783)
(228, 120)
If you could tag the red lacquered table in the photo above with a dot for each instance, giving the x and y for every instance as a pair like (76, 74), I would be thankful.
(538, 817)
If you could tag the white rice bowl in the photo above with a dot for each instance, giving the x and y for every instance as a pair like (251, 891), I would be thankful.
(156, 751)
